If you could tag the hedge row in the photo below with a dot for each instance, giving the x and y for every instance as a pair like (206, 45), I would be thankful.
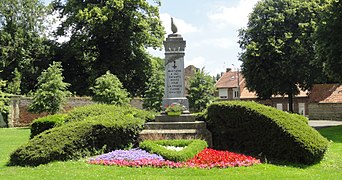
(191, 148)
(81, 113)
(255, 129)
(78, 139)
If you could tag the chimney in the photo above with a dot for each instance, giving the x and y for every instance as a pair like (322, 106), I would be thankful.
(228, 69)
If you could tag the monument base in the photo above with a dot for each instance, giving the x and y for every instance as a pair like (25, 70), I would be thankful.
(180, 100)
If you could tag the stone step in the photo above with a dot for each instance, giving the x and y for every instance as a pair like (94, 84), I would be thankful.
(181, 118)
(175, 125)
(157, 134)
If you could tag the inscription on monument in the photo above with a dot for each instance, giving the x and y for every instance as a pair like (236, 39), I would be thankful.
(175, 78)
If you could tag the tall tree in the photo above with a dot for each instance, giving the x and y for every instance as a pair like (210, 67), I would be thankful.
(329, 38)
(52, 91)
(201, 90)
(113, 35)
(155, 86)
(278, 47)
(21, 40)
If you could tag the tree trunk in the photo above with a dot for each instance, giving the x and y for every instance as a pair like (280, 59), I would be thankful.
(290, 95)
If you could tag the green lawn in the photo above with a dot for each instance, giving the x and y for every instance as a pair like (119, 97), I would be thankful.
(329, 168)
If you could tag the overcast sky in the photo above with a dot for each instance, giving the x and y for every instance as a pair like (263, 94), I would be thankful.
(210, 28)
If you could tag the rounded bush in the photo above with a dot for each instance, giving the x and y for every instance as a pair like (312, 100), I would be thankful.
(255, 129)
(78, 139)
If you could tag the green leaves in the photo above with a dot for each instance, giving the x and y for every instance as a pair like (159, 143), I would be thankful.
(155, 86)
(109, 90)
(52, 91)
(329, 40)
(115, 34)
(201, 91)
(22, 33)
(278, 47)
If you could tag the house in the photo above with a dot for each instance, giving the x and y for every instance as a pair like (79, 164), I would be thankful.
(231, 86)
(325, 102)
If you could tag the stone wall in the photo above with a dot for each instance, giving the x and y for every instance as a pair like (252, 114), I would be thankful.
(20, 117)
(325, 111)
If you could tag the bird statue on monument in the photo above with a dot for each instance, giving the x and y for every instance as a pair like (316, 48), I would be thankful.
(173, 27)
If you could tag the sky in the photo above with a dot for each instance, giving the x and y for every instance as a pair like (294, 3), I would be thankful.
(210, 29)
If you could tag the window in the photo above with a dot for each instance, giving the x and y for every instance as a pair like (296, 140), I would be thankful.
(235, 93)
(223, 93)
(301, 108)
(279, 106)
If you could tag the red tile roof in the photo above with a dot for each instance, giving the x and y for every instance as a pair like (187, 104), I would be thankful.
(326, 93)
(229, 80)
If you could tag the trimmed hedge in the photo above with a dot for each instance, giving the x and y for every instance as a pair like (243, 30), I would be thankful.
(192, 147)
(255, 129)
(78, 139)
(81, 113)
(44, 123)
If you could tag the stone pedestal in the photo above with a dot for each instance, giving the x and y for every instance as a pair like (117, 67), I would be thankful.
(174, 71)
(184, 126)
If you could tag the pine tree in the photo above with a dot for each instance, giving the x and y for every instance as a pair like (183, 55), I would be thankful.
(52, 91)
(109, 90)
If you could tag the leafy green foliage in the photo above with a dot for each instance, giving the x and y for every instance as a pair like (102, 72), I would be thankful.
(82, 113)
(14, 86)
(255, 129)
(278, 47)
(44, 123)
(52, 91)
(108, 89)
(22, 41)
(110, 35)
(3, 98)
(329, 39)
(155, 86)
(201, 90)
(191, 148)
(79, 139)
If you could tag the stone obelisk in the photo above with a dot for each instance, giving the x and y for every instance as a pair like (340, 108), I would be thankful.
(174, 70)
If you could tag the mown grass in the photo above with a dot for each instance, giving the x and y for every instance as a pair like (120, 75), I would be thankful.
(329, 168)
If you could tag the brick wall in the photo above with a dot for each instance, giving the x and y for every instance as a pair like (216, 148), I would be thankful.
(325, 111)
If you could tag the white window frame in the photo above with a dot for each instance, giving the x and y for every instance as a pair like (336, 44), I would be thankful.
(279, 106)
(223, 93)
(301, 108)
(235, 93)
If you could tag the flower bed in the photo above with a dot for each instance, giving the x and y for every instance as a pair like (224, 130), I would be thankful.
(208, 158)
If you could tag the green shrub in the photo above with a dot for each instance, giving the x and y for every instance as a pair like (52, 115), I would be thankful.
(79, 139)
(51, 93)
(255, 129)
(44, 123)
(81, 113)
(191, 148)
(109, 90)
